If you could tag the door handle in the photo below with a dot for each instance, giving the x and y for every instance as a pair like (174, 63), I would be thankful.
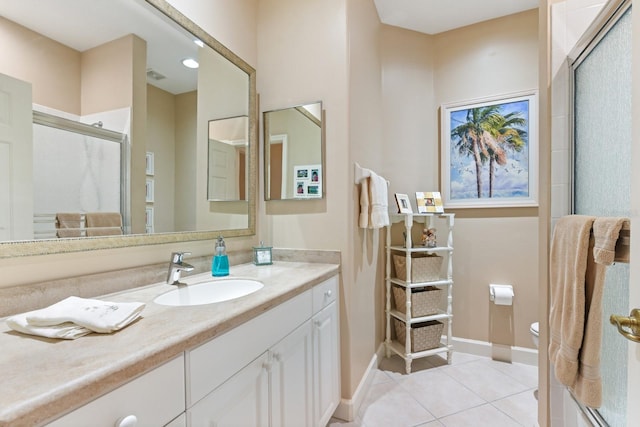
(629, 327)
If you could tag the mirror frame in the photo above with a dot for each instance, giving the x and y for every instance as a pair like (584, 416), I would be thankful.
(10, 249)
(267, 153)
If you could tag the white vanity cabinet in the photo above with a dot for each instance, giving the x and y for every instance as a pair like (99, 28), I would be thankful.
(270, 371)
(156, 398)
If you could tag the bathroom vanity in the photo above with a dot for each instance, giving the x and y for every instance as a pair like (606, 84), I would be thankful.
(269, 358)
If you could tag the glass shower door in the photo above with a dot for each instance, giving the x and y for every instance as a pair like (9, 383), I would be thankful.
(601, 183)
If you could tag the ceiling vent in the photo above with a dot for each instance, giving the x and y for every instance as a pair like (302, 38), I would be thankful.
(154, 75)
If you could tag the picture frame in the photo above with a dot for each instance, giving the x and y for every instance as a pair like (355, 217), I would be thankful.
(404, 205)
(307, 182)
(429, 202)
(489, 152)
(149, 196)
(149, 163)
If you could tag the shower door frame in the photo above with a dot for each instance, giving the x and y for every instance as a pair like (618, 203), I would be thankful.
(50, 120)
(595, 33)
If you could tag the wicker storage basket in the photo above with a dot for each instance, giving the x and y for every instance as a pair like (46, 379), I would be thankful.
(424, 336)
(424, 301)
(424, 267)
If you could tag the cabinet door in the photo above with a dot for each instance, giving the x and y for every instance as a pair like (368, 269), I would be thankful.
(154, 399)
(239, 402)
(326, 364)
(291, 379)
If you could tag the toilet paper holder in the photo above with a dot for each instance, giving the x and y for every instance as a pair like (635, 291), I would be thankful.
(501, 294)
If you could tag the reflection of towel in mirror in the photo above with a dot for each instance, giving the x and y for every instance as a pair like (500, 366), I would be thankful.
(68, 224)
(103, 219)
(68, 232)
(104, 231)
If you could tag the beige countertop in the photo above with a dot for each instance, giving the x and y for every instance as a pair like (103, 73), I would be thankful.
(45, 378)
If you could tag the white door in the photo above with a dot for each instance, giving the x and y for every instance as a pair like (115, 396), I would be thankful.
(223, 171)
(291, 379)
(16, 160)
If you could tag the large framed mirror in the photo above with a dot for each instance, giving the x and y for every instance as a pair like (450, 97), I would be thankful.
(112, 121)
(294, 153)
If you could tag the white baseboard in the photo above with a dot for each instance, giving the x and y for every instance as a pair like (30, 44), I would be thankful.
(528, 356)
(348, 408)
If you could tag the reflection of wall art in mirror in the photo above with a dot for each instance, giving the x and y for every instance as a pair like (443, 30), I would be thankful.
(129, 49)
(149, 163)
(148, 219)
(429, 202)
(404, 206)
(293, 137)
(149, 191)
(307, 181)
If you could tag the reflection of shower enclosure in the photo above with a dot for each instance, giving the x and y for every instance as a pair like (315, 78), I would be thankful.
(76, 168)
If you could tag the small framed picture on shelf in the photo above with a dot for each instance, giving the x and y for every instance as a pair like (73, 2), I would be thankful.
(404, 206)
(429, 202)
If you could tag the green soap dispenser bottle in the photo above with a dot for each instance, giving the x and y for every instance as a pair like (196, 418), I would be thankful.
(220, 262)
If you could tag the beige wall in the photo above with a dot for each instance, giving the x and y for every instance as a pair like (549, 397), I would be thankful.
(52, 68)
(161, 140)
(494, 245)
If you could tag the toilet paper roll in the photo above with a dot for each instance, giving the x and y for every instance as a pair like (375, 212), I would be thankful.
(501, 294)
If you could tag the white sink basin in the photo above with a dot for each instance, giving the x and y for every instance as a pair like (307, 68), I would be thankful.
(216, 290)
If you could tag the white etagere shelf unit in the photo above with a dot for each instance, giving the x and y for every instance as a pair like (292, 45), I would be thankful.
(445, 282)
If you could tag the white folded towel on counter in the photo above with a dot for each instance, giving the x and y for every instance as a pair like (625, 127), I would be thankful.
(67, 331)
(71, 317)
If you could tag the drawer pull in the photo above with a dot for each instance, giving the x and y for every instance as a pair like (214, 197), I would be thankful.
(128, 421)
(328, 293)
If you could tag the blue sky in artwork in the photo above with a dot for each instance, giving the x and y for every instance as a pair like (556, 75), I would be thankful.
(510, 180)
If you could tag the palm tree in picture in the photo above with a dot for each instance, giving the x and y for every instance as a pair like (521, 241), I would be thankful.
(483, 135)
(468, 138)
(503, 132)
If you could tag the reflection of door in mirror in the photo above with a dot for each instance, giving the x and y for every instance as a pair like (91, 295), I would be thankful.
(294, 138)
(16, 182)
(227, 169)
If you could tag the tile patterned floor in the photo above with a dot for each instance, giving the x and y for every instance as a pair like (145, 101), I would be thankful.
(471, 392)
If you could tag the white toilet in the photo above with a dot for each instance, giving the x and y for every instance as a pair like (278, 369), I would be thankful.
(535, 332)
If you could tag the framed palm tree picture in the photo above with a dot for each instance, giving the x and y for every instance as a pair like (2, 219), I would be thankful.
(489, 152)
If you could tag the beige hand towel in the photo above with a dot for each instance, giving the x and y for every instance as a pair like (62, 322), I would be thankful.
(68, 220)
(568, 266)
(103, 231)
(68, 232)
(103, 219)
(606, 232)
(588, 385)
(365, 207)
(96, 315)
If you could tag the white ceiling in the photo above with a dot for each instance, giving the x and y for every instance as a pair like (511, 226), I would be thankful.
(84, 24)
(436, 16)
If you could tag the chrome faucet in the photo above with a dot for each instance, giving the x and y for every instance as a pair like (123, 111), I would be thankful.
(176, 266)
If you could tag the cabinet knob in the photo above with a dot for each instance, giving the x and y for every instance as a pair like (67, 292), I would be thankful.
(328, 293)
(127, 421)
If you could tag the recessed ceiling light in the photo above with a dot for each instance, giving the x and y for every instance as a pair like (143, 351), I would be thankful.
(199, 42)
(190, 63)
